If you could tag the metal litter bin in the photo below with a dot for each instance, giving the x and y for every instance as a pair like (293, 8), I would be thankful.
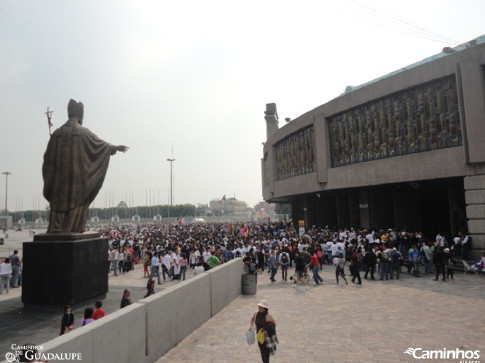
(2, 240)
(249, 283)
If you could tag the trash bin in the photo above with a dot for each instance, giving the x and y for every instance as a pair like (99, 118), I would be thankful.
(249, 283)
(2, 241)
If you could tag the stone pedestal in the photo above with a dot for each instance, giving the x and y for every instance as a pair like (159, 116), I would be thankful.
(64, 269)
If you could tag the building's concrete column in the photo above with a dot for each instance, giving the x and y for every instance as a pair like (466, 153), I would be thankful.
(475, 211)
(306, 211)
(364, 208)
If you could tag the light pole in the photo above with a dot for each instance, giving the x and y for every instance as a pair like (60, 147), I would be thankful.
(6, 173)
(171, 160)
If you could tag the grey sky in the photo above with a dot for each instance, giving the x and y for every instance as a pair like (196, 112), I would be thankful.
(195, 76)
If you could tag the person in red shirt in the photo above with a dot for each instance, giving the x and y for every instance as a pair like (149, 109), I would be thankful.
(99, 313)
(355, 266)
(316, 267)
(130, 249)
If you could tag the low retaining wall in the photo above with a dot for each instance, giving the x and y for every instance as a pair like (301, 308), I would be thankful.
(174, 313)
(225, 285)
(147, 329)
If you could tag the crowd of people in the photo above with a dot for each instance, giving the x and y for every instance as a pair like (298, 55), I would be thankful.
(167, 251)
(10, 272)
(170, 251)
(90, 315)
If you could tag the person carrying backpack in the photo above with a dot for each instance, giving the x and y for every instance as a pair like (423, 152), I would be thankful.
(284, 262)
(384, 264)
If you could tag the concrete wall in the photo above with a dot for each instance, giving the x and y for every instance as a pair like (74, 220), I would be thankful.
(118, 337)
(224, 289)
(144, 331)
(174, 313)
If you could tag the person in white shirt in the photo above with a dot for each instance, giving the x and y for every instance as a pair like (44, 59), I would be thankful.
(370, 238)
(176, 265)
(193, 259)
(206, 254)
(155, 267)
(121, 260)
(166, 265)
(465, 244)
(328, 250)
(5, 271)
(441, 240)
(352, 235)
(198, 269)
(115, 257)
(239, 252)
(334, 249)
(342, 234)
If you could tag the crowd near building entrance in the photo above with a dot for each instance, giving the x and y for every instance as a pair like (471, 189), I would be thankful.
(430, 207)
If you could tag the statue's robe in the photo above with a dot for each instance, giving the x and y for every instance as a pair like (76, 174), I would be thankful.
(75, 165)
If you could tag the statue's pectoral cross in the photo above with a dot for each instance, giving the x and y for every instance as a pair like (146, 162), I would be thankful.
(49, 114)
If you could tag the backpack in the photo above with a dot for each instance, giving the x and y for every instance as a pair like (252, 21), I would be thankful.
(284, 258)
(384, 256)
(423, 254)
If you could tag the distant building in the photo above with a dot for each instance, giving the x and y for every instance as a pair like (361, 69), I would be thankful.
(229, 206)
(404, 151)
(264, 210)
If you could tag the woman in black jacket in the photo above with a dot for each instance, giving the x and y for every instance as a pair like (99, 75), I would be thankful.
(150, 288)
(67, 320)
(439, 261)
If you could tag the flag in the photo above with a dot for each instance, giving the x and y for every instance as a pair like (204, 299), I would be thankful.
(223, 198)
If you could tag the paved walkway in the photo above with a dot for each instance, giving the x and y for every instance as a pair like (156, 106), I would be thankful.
(373, 322)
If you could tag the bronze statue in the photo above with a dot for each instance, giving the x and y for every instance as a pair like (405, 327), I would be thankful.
(75, 165)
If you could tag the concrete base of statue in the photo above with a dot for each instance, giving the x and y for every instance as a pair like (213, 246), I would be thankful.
(64, 269)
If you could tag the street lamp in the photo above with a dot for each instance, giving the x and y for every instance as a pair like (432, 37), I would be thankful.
(171, 160)
(6, 173)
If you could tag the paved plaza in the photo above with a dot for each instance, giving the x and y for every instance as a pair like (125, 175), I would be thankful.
(373, 322)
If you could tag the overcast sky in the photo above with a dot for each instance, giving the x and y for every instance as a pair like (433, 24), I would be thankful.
(194, 76)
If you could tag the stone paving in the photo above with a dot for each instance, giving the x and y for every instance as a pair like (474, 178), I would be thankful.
(373, 322)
